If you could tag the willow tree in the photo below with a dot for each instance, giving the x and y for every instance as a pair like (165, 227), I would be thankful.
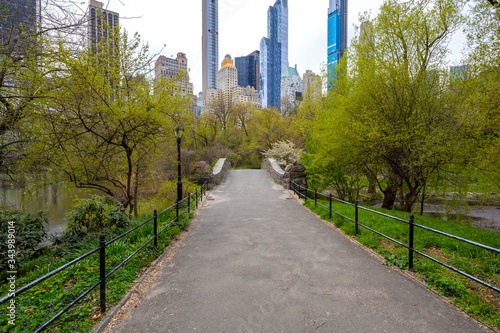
(392, 111)
(107, 119)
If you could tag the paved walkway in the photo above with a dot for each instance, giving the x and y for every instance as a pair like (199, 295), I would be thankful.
(255, 260)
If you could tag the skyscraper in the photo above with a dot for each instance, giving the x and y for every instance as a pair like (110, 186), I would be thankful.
(103, 25)
(210, 44)
(337, 32)
(19, 17)
(274, 54)
(249, 70)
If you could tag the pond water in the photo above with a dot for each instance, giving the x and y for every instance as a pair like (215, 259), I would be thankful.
(55, 200)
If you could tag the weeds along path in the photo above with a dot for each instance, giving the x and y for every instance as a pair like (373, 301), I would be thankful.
(255, 260)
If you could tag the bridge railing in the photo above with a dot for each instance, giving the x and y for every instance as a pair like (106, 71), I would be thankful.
(304, 192)
(181, 208)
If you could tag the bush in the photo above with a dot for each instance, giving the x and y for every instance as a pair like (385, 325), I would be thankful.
(29, 231)
(96, 215)
(284, 152)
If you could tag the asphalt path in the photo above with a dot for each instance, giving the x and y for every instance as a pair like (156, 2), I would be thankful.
(255, 260)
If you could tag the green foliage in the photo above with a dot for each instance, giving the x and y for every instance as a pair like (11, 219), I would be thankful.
(39, 304)
(445, 285)
(397, 259)
(326, 174)
(95, 215)
(29, 232)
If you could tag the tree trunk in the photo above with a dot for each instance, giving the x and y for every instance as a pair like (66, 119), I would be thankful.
(390, 192)
(372, 181)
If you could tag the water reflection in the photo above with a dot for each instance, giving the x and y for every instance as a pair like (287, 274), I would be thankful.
(55, 200)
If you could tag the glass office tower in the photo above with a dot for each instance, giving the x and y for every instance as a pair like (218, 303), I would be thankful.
(274, 54)
(248, 70)
(337, 32)
(19, 17)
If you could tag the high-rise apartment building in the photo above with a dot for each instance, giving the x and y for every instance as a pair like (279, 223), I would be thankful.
(210, 45)
(171, 68)
(248, 70)
(228, 74)
(274, 54)
(337, 32)
(103, 24)
(312, 84)
(19, 17)
(229, 90)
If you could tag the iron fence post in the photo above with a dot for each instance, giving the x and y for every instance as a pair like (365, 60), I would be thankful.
(305, 196)
(356, 217)
(177, 211)
(410, 245)
(155, 229)
(189, 202)
(315, 197)
(196, 198)
(330, 205)
(102, 272)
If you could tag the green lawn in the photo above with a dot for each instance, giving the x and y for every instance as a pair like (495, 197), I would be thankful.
(475, 299)
(43, 301)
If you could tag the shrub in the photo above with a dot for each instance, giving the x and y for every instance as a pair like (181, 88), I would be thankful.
(96, 215)
(284, 152)
(29, 232)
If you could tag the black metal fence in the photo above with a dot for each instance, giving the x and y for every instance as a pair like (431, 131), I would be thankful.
(303, 192)
(181, 207)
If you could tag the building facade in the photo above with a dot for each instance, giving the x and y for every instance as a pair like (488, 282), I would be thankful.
(249, 70)
(228, 74)
(19, 17)
(171, 68)
(229, 89)
(312, 84)
(337, 32)
(292, 86)
(210, 44)
(459, 72)
(103, 24)
(274, 54)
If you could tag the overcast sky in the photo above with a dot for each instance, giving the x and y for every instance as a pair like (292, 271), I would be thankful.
(242, 24)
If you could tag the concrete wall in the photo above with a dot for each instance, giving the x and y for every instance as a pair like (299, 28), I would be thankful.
(220, 170)
(275, 171)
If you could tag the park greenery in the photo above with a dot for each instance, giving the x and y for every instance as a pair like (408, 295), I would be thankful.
(394, 123)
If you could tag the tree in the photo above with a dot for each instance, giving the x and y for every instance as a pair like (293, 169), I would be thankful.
(483, 72)
(26, 37)
(268, 127)
(222, 108)
(392, 111)
(104, 124)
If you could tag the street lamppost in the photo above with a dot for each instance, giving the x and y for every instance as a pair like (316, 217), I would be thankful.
(178, 131)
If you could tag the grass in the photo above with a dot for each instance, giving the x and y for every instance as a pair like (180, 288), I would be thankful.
(477, 300)
(42, 302)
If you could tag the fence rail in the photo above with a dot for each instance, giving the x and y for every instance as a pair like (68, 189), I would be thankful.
(303, 192)
(186, 203)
